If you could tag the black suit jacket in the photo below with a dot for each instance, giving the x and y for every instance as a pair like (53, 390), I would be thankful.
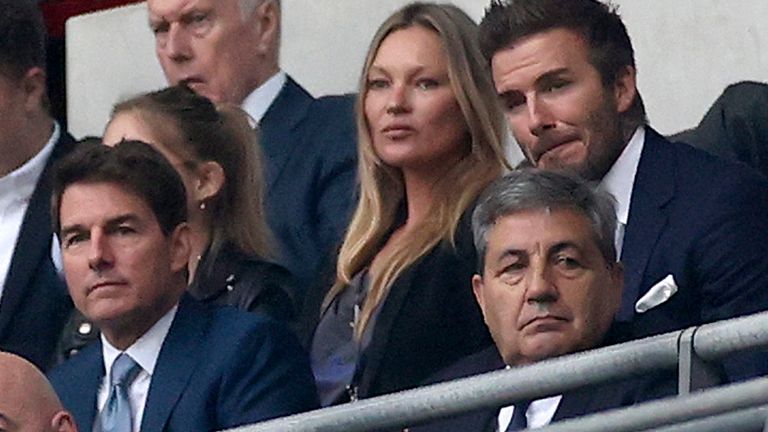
(429, 319)
(35, 302)
(702, 220)
(217, 368)
(575, 403)
(309, 146)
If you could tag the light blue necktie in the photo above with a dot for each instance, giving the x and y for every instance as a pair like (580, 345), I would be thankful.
(116, 415)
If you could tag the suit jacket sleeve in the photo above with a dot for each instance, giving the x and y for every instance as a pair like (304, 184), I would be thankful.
(269, 377)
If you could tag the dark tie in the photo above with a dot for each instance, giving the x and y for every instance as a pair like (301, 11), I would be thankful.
(116, 415)
(519, 421)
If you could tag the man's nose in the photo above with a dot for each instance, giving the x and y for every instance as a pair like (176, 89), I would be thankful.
(541, 288)
(100, 254)
(539, 116)
(177, 44)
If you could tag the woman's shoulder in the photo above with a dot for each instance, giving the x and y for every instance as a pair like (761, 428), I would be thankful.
(252, 284)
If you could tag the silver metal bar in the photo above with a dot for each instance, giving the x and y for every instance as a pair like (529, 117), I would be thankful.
(670, 411)
(746, 420)
(711, 342)
(488, 390)
(694, 373)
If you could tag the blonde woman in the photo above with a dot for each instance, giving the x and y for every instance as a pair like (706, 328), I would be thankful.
(430, 141)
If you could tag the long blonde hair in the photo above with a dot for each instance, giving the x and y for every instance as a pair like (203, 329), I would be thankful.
(193, 128)
(382, 191)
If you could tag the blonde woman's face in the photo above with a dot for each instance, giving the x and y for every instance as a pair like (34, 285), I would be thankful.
(414, 119)
(128, 126)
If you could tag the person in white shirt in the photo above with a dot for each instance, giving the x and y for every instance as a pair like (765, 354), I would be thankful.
(27, 400)
(33, 299)
(228, 51)
(548, 284)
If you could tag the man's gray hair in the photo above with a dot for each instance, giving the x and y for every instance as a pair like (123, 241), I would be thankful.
(531, 189)
(248, 6)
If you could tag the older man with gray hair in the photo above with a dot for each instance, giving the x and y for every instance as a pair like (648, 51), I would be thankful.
(548, 284)
(228, 51)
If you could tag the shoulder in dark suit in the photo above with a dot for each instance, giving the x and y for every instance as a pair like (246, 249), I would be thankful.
(309, 146)
(736, 126)
(429, 319)
(703, 221)
(579, 402)
(218, 368)
(35, 302)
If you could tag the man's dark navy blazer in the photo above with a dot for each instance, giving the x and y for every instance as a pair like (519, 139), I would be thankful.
(310, 149)
(35, 303)
(218, 368)
(704, 221)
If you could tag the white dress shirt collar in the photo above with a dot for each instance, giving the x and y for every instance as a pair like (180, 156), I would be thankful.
(145, 352)
(146, 349)
(19, 184)
(540, 413)
(258, 102)
(621, 177)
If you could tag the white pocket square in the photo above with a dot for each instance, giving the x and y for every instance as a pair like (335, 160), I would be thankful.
(658, 294)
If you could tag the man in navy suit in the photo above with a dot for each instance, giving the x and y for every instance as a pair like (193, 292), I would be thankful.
(164, 362)
(691, 228)
(548, 285)
(33, 298)
(228, 51)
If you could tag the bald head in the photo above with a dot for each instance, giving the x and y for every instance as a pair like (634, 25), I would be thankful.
(27, 400)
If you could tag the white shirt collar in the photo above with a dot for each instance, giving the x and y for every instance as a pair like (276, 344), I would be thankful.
(540, 413)
(621, 177)
(145, 350)
(19, 184)
(258, 102)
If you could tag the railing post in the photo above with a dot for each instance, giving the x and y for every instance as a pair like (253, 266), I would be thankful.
(694, 373)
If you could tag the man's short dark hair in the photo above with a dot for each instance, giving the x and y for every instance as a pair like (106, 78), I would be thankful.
(22, 37)
(610, 48)
(132, 165)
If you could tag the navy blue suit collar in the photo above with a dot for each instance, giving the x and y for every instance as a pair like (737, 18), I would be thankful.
(279, 124)
(87, 378)
(34, 237)
(653, 189)
(177, 360)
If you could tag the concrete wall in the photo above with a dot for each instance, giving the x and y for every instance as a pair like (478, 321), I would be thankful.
(687, 52)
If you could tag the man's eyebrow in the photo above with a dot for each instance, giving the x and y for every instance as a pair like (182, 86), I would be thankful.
(510, 253)
(564, 245)
(70, 229)
(543, 78)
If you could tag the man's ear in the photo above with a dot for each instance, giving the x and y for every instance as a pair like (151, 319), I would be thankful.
(210, 179)
(267, 25)
(625, 88)
(63, 422)
(180, 247)
(477, 288)
(33, 83)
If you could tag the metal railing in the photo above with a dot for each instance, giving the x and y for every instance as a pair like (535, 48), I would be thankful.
(685, 349)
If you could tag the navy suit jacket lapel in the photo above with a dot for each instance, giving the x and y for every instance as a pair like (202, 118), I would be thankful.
(653, 189)
(283, 117)
(34, 237)
(178, 358)
(85, 386)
